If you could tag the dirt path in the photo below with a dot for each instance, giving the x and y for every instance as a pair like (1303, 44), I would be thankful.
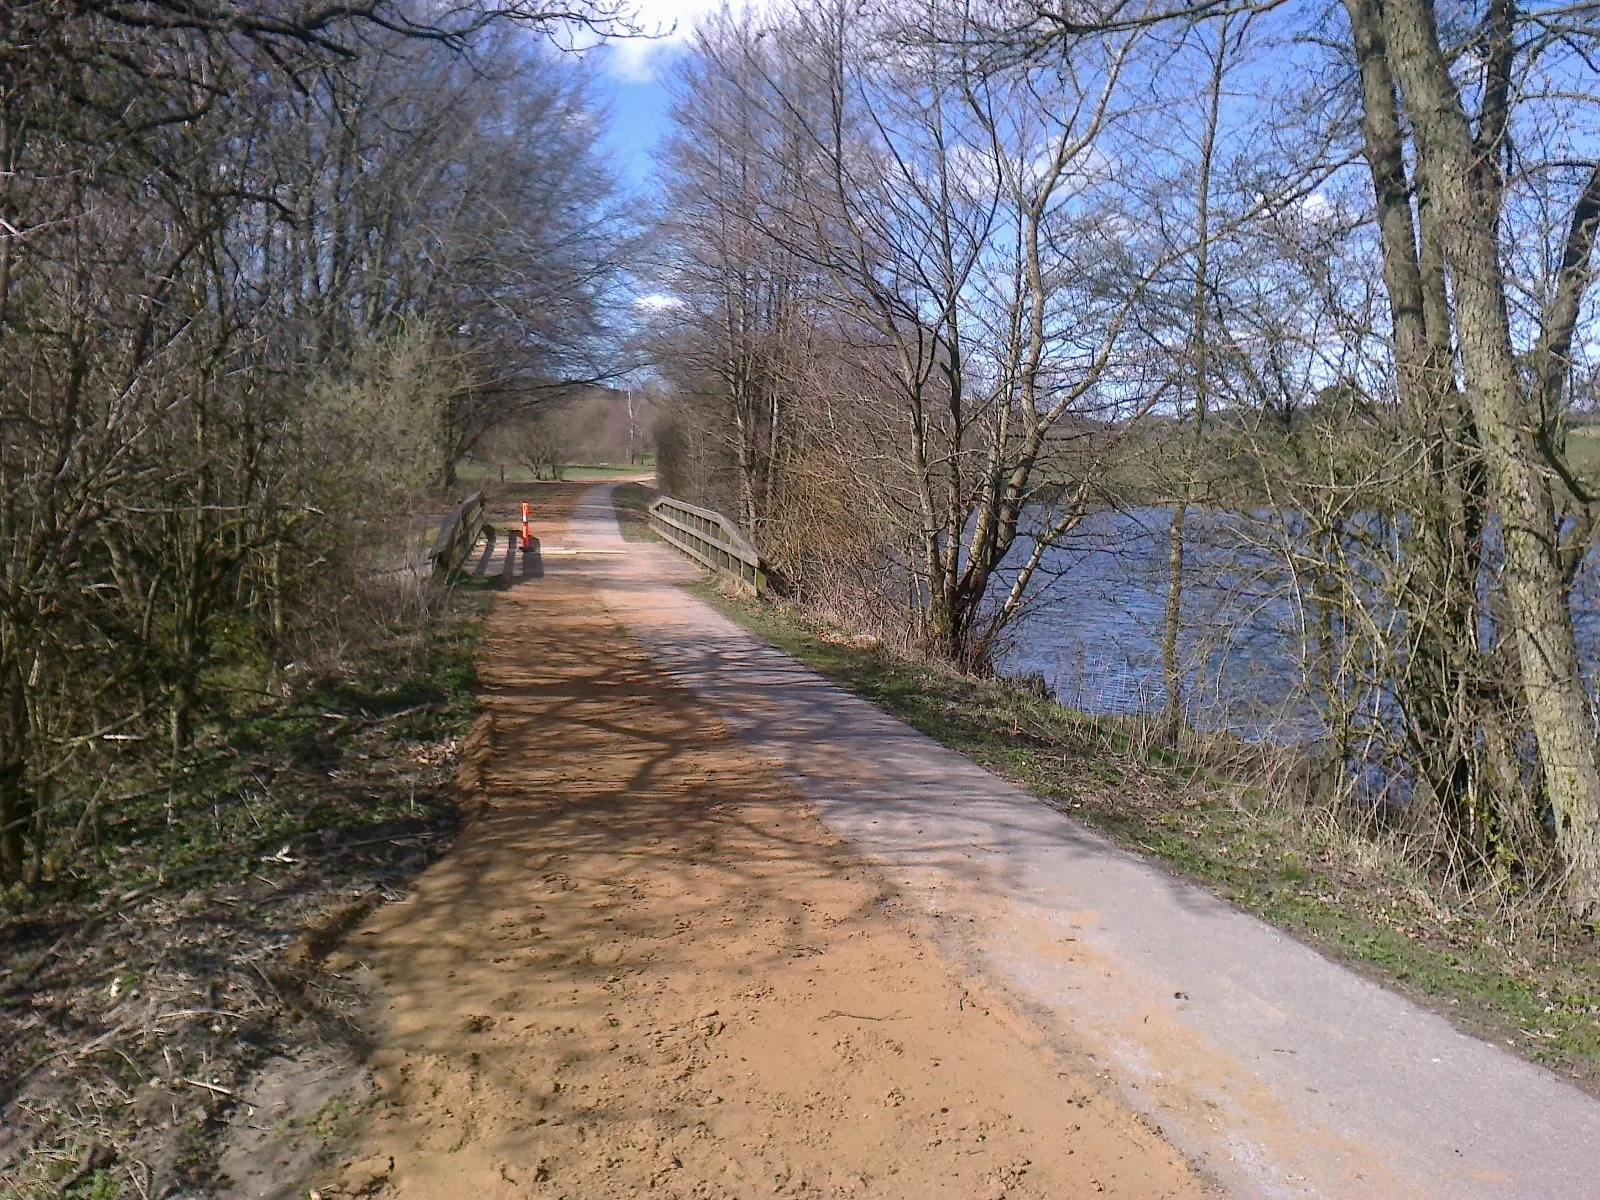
(648, 969)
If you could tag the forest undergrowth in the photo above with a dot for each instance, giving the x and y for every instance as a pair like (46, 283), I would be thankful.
(140, 987)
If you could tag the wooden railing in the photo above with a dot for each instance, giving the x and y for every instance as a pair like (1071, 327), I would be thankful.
(711, 540)
(457, 536)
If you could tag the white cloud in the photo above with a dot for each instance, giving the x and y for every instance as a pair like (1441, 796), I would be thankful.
(637, 60)
(655, 302)
(1317, 207)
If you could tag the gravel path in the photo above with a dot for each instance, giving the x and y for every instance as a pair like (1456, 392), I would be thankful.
(1280, 1072)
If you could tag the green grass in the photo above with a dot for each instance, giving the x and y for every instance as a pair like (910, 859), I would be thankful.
(1583, 451)
(214, 816)
(603, 471)
(1350, 893)
(469, 473)
(632, 502)
(476, 472)
(213, 819)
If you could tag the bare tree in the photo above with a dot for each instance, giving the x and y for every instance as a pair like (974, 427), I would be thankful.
(1501, 439)
(744, 305)
(948, 217)
(1217, 55)
(223, 225)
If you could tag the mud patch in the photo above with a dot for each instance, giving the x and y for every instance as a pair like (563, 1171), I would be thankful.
(287, 1117)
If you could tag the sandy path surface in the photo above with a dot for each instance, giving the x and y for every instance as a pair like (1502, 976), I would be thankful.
(1284, 1074)
(647, 969)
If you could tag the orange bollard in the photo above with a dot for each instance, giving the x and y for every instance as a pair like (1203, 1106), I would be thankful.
(527, 529)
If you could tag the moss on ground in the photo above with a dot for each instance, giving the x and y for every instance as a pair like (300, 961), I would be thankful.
(1524, 979)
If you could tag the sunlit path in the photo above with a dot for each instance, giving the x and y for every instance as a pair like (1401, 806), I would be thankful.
(1283, 1073)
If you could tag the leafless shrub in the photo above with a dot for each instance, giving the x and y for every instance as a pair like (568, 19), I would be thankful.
(260, 285)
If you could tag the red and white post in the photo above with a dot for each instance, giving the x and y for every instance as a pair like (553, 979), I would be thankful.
(527, 526)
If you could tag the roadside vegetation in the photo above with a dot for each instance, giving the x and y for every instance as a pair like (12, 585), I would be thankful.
(174, 948)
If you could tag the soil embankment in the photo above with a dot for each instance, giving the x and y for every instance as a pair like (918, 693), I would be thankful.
(646, 968)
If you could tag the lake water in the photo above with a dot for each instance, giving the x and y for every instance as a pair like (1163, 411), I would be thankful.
(1095, 632)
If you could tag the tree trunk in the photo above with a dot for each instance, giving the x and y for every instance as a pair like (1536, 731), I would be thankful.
(1441, 686)
(1172, 720)
(277, 626)
(14, 808)
(181, 716)
(1558, 703)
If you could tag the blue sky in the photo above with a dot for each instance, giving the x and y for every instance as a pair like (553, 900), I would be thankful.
(638, 121)
(631, 72)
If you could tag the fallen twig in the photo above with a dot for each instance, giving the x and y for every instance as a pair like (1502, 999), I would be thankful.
(210, 1087)
(421, 835)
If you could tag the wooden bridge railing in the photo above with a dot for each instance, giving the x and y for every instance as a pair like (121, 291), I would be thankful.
(457, 536)
(711, 540)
